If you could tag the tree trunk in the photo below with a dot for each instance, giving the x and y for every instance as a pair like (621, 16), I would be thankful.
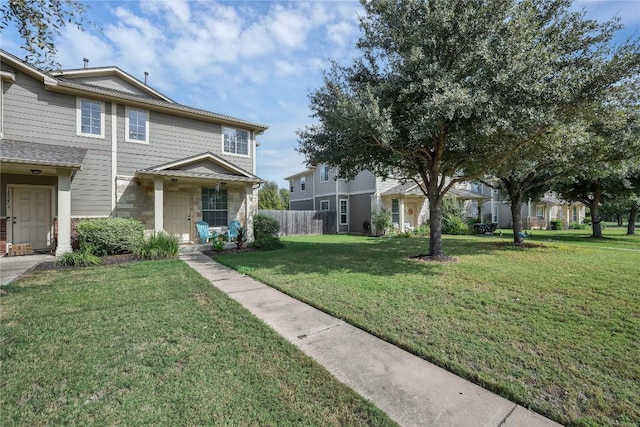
(516, 218)
(619, 215)
(435, 226)
(633, 214)
(596, 226)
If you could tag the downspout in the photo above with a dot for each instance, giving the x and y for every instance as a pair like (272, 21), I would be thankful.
(337, 204)
(114, 157)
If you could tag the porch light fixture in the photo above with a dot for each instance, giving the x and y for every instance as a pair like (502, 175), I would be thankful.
(36, 171)
(174, 180)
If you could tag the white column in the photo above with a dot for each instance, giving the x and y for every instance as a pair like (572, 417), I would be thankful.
(64, 213)
(401, 214)
(158, 204)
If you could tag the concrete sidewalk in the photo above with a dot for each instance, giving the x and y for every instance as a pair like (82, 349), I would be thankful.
(410, 390)
(13, 267)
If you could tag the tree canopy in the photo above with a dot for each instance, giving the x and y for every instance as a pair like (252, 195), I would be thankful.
(271, 197)
(38, 22)
(443, 91)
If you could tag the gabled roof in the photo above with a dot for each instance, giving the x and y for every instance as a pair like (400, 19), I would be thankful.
(112, 71)
(174, 169)
(408, 188)
(303, 173)
(58, 83)
(466, 194)
(13, 151)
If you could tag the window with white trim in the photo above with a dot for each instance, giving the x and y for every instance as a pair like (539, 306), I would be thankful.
(235, 141)
(540, 212)
(344, 212)
(324, 205)
(324, 173)
(215, 206)
(290, 186)
(495, 214)
(303, 183)
(395, 211)
(90, 118)
(136, 125)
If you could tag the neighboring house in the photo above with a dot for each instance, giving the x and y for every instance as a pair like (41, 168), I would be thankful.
(355, 201)
(97, 142)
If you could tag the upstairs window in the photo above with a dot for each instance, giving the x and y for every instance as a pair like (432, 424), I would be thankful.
(303, 183)
(324, 173)
(235, 141)
(291, 187)
(90, 118)
(136, 126)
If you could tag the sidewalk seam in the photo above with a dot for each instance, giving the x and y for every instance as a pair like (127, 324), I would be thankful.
(504, 420)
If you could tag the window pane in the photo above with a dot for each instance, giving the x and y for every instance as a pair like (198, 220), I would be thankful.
(214, 206)
(90, 117)
(242, 142)
(137, 125)
(395, 211)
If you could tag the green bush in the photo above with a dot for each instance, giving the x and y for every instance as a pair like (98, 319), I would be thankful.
(556, 224)
(453, 219)
(265, 225)
(452, 224)
(587, 220)
(78, 259)
(108, 236)
(267, 243)
(382, 221)
(158, 246)
(218, 245)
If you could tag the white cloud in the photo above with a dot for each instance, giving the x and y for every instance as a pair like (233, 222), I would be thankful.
(283, 68)
(76, 44)
(341, 33)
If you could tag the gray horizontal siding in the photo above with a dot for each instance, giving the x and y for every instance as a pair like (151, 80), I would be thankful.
(110, 82)
(302, 205)
(32, 113)
(172, 138)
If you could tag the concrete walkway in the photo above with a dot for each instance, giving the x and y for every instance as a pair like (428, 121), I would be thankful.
(410, 390)
(12, 267)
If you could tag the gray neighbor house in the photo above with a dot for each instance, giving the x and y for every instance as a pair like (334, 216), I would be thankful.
(97, 143)
(354, 202)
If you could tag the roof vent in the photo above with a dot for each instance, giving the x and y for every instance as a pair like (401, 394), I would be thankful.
(145, 77)
(86, 62)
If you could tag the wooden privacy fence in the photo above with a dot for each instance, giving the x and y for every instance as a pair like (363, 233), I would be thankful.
(296, 223)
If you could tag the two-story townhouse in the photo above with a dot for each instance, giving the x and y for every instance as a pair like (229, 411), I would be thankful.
(97, 142)
(355, 201)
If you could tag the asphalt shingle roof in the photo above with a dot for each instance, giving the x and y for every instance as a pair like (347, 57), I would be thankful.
(15, 151)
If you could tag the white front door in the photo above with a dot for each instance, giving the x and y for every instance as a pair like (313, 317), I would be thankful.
(177, 215)
(31, 216)
(411, 214)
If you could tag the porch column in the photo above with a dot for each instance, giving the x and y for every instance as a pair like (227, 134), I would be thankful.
(64, 213)
(158, 204)
(248, 211)
(401, 214)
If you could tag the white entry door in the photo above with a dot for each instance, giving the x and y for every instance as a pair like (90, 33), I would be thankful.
(177, 215)
(411, 213)
(31, 216)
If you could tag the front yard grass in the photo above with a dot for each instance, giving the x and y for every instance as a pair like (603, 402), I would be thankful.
(153, 343)
(555, 328)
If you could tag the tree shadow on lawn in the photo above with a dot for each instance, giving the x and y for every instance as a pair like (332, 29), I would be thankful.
(371, 256)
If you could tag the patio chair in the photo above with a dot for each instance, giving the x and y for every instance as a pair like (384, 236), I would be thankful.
(203, 231)
(232, 232)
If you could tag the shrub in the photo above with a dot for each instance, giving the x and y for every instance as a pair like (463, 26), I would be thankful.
(265, 225)
(587, 220)
(158, 246)
(268, 243)
(556, 224)
(452, 224)
(382, 221)
(218, 245)
(422, 230)
(453, 219)
(78, 259)
(108, 236)
(241, 238)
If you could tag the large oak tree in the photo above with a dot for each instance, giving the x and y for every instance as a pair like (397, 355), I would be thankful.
(445, 90)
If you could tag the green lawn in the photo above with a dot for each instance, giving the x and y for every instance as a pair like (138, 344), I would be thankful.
(554, 328)
(154, 343)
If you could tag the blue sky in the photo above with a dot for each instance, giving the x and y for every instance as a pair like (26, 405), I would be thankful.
(256, 60)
